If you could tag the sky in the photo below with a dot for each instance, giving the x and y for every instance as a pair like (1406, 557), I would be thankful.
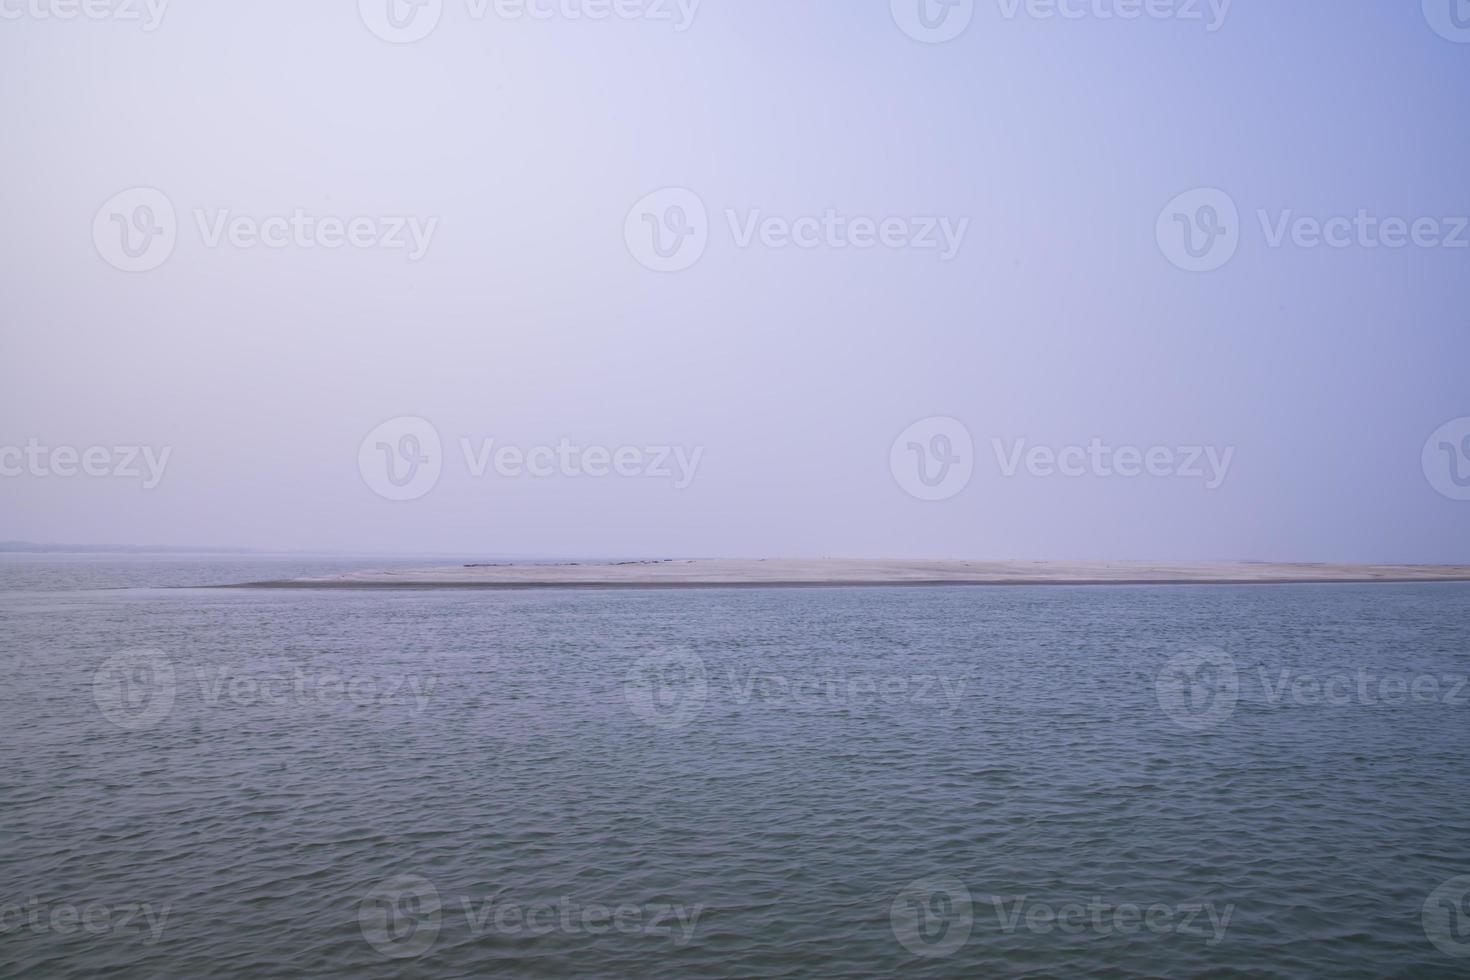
(1085, 279)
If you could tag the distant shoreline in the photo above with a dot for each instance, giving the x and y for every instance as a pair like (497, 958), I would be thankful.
(838, 573)
(34, 548)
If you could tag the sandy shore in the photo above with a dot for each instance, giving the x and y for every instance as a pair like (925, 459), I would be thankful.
(851, 572)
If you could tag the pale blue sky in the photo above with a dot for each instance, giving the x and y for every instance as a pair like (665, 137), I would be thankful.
(528, 319)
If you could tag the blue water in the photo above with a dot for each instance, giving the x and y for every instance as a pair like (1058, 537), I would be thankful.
(1197, 780)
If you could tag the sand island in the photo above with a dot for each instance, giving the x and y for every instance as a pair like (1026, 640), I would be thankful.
(758, 573)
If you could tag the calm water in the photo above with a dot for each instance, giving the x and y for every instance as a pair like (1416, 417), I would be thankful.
(946, 782)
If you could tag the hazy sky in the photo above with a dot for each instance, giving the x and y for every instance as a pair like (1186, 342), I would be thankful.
(987, 239)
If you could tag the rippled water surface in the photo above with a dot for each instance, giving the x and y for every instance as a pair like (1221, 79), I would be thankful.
(1262, 781)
